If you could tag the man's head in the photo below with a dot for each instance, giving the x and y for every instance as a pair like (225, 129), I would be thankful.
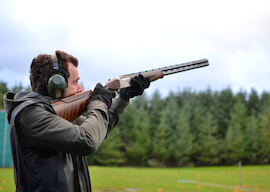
(41, 67)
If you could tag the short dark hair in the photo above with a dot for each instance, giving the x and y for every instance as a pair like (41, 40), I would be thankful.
(42, 65)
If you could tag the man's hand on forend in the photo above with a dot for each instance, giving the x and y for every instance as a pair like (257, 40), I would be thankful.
(138, 85)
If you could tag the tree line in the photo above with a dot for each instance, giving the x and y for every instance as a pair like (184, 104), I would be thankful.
(191, 128)
(187, 128)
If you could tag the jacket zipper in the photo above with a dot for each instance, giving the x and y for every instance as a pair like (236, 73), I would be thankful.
(87, 176)
(76, 177)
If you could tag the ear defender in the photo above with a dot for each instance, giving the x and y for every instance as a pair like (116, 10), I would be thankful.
(57, 80)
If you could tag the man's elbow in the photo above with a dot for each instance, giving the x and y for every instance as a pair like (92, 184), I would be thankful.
(88, 149)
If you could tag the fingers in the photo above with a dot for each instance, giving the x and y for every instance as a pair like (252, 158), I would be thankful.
(145, 80)
(138, 85)
(140, 82)
(102, 94)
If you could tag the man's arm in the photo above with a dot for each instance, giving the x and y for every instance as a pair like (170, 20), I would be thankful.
(116, 111)
(46, 130)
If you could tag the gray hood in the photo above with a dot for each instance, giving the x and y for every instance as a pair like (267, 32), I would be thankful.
(11, 100)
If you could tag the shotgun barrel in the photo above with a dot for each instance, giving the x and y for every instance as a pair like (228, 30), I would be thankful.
(174, 68)
(123, 81)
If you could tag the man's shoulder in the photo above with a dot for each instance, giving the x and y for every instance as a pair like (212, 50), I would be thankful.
(19, 101)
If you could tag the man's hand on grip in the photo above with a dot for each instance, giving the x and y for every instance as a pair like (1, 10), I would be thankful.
(102, 94)
(138, 85)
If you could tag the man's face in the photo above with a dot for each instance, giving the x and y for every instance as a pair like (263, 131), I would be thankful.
(73, 84)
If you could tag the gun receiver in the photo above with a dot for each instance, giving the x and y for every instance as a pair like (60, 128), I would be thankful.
(73, 106)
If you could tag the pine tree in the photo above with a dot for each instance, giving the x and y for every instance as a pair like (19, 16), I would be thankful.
(154, 111)
(234, 137)
(127, 123)
(253, 103)
(223, 109)
(171, 111)
(162, 141)
(251, 138)
(138, 147)
(208, 142)
(182, 140)
(264, 135)
(263, 101)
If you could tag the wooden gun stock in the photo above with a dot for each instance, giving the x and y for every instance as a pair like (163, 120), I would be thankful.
(73, 106)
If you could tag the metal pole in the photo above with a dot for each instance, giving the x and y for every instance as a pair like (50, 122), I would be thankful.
(240, 173)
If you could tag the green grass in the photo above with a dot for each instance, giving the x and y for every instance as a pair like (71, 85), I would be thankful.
(255, 178)
(6, 179)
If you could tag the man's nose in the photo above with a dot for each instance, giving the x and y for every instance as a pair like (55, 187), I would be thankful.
(79, 88)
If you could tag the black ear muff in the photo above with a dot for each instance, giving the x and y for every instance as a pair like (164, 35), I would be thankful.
(57, 80)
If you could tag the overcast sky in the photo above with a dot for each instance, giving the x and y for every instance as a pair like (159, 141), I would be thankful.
(116, 37)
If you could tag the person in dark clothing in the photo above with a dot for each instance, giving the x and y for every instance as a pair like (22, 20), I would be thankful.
(48, 151)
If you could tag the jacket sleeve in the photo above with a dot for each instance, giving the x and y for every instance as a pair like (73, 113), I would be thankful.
(116, 111)
(46, 130)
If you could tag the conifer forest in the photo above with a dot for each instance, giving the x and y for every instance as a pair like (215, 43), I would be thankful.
(190, 128)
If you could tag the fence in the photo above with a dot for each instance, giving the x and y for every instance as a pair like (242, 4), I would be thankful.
(5, 151)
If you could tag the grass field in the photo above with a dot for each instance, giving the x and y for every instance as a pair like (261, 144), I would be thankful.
(197, 179)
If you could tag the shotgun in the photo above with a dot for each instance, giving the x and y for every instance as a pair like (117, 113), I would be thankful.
(73, 106)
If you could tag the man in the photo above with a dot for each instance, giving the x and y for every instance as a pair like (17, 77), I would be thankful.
(48, 151)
